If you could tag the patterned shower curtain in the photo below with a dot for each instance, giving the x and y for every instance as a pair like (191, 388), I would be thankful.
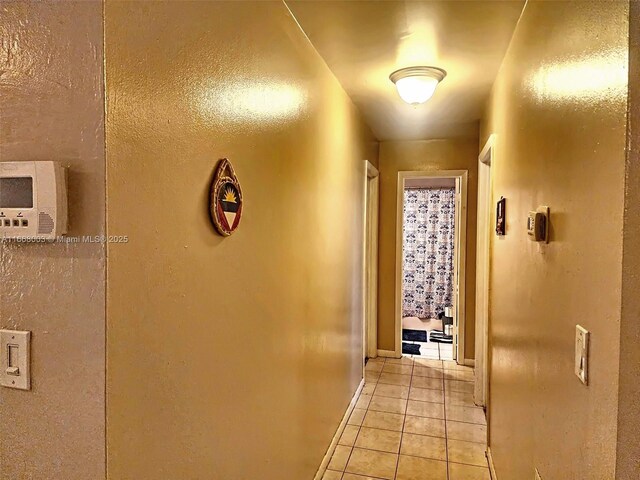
(428, 242)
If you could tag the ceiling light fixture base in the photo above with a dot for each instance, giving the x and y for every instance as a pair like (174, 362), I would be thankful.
(417, 84)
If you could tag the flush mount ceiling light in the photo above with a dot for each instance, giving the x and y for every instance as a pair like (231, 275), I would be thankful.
(417, 84)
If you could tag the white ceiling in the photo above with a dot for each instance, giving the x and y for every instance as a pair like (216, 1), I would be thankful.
(364, 41)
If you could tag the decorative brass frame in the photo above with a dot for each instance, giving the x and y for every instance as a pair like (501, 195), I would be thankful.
(224, 174)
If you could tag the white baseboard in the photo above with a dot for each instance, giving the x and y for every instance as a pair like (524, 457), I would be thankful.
(336, 438)
(387, 353)
(470, 362)
(492, 468)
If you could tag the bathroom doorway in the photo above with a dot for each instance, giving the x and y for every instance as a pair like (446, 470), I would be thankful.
(430, 259)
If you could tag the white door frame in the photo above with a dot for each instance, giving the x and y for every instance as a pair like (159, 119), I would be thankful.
(371, 199)
(483, 252)
(460, 253)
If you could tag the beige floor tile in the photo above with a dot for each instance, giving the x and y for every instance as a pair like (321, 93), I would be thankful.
(451, 365)
(427, 362)
(373, 367)
(426, 395)
(357, 416)
(430, 372)
(429, 354)
(400, 369)
(468, 432)
(395, 379)
(381, 440)
(425, 409)
(463, 399)
(353, 476)
(371, 377)
(458, 386)
(349, 435)
(363, 401)
(465, 414)
(424, 446)
(457, 471)
(388, 404)
(394, 391)
(469, 453)
(332, 475)
(368, 388)
(375, 464)
(339, 458)
(432, 427)
(400, 361)
(383, 420)
(426, 382)
(461, 375)
(414, 468)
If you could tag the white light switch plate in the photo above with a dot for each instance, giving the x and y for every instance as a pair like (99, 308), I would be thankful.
(582, 354)
(14, 359)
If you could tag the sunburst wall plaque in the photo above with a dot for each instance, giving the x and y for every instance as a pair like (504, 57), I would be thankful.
(225, 205)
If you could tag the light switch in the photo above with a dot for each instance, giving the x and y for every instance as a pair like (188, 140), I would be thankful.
(582, 354)
(14, 352)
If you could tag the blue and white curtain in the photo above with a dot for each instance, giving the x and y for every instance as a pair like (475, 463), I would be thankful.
(428, 242)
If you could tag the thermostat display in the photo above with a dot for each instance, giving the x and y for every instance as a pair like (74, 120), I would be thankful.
(33, 200)
(16, 192)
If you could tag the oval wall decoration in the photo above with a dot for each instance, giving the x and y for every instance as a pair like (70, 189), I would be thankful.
(225, 205)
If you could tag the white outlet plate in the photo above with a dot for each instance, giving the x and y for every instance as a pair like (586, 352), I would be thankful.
(538, 477)
(582, 354)
(14, 359)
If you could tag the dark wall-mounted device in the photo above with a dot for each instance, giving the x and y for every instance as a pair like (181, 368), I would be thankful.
(501, 217)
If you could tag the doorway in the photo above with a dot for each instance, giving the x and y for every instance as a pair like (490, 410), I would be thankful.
(481, 391)
(371, 202)
(430, 264)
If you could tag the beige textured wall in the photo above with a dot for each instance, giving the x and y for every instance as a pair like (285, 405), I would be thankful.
(51, 108)
(453, 154)
(558, 108)
(228, 358)
(628, 454)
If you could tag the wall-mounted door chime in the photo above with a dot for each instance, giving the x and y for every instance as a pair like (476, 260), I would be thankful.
(538, 225)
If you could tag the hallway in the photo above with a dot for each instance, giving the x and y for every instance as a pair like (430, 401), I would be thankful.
(414, 420)
(209, 218)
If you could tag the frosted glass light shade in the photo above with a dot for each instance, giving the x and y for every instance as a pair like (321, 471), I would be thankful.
(417, 84)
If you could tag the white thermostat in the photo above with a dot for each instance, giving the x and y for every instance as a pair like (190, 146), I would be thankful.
(33, 200)
(538, 225)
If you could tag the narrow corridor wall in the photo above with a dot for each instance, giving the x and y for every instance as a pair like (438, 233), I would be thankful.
(52, 108)
(229, 358)
(628, 451)
(558, 109)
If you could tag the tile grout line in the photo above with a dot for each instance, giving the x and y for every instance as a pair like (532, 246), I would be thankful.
(404, 419)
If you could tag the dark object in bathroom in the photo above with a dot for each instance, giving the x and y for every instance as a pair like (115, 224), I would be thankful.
(410, 348)
(501, 217)
(409, 335)
(439, 336)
